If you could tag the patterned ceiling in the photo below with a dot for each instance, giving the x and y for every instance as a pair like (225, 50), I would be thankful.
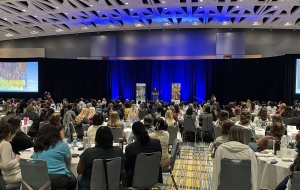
(34, 18)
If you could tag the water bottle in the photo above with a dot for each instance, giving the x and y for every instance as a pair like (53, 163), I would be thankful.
(133, 120)
(74, 139)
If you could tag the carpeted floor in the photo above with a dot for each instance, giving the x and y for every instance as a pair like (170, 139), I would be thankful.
(192, 170)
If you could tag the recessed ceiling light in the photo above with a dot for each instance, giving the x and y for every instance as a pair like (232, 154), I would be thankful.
(111, 26)
(255, 22)
(57, 7)
(166, 24)
(237, 7)
(85, 28)
(98, 11)
(138, 25)
(195, 23)
(91, 5)
(59, 30)
(9, 35)
(5, 18)
(131, 9)
(67, 13)
(35, 16)
(288, 24)
(34, 32)
(275, 7)
(200, 7)
(126, 3)
(201, 0)
(163, 2)
(224, 22)
(166, 8)
(24, 10)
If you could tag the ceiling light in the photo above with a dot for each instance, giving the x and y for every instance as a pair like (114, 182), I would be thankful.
(98, 11)
(85, 28)
(224, 22)
(5, 18)
(59, 30)
(256, 23)
(200, 7)
(275, 7)
(57, 7)
(111, 26)
(9, 35)
(138, 25)
(166, 8)
(91, 5)
(131, 9)
(35, 16)
(201, 0)
(34, 32)
(126, 3)
(166, 24)
(195, 23)
(288, 24)
(67, 13)
(24, 10)
(163, 2)
(237, 7)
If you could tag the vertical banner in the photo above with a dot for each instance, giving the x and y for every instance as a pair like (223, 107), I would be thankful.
(140, 92)
(175, 96)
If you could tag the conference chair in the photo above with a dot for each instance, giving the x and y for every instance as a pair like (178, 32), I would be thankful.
(85, 126)
(99, 176)
(11, 186)
(217, 131)
(247, 134)
(189, 126)
(207, 125)
(142, 114)
(172, 130)
(41, 124)
(296, 180)
(34, 175)
(117, 133)
(169, 168)
(231, 176)
(146, 170)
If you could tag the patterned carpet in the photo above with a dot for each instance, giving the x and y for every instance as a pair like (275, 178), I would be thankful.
(193, 170)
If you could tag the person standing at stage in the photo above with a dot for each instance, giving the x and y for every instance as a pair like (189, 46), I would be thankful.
(155, 94)
(213, 99)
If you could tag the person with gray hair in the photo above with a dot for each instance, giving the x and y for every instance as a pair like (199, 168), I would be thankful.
(235, 148)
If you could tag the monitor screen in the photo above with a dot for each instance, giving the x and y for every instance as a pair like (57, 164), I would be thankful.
(19, 77)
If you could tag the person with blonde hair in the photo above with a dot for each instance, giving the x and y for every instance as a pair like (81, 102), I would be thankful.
(82, 118)
(236, 149)
(169, 118)
(133, 112)
(115, 121)
(91, 114)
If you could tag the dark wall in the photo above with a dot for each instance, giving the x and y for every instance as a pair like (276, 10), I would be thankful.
(184, 42)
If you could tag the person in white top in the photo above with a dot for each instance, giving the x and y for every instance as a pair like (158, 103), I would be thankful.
(97, 122)
(9, 162)
(235, 148)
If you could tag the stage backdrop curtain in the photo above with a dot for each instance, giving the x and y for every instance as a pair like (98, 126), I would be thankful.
(229, 80)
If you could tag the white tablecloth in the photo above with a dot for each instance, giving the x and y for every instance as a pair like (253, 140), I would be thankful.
(269, 175)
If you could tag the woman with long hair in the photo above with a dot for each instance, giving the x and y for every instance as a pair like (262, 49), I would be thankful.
(224, 133)
(169, 118)
(235, 148)
(262, 116)
(35, 121)
(245, 121)
(133, 112)
(115, 121)
(82, 118)
(9, 162)
(103, 149)
(276, 120)
(92, 112)
(50, 147)
(224, 116)
(144, 144)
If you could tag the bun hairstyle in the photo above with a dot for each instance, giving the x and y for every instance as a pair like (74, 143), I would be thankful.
(140, 132)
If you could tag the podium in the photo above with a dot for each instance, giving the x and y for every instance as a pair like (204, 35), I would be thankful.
(155, 96)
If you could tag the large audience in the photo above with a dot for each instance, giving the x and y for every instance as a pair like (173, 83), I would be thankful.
(149, 133)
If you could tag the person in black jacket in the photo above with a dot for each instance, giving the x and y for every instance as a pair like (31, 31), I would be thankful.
(34, 129)
(295, 120)
(21, 141)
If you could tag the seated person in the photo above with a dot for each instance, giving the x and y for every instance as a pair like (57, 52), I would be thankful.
(32, 132)
(245, 122)
(97, 122)
(235, 148)
(104, 149)
(21, 141)
(224, 133)
(189, 115)
(116, 122)
(50, 147)
(294, 167)
(148, 123)
(224, 116)
(144, 144)
(277, 132)
(162, 135)
(9, 162)
(237, 112)
(82, 118)
(204, 115)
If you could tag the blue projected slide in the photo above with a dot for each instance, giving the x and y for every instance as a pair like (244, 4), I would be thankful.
(19, 77)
